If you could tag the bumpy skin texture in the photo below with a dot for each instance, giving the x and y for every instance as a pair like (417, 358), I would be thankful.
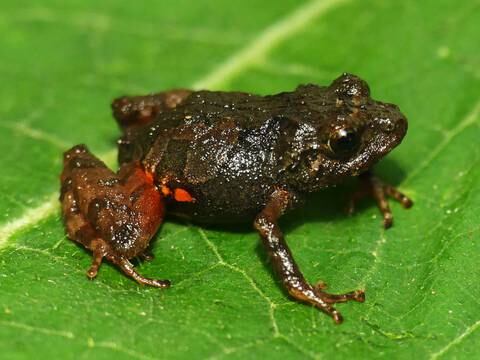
(216, 157)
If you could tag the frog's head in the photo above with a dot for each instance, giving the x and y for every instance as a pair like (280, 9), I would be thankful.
(345, 131)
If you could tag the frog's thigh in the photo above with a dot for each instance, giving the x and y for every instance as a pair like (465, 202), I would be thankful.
(113, 215)
(285, 265)
(140, 110)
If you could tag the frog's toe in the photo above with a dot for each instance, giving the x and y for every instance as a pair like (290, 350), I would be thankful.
(320, 285)
(387, 219)
(356, 295)
(146, 256)
(98, 247)
(394, 193)
(129, 270)
(93, 271)
(323, 300)
(358, 195)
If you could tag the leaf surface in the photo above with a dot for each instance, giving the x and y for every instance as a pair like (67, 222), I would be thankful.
(61, 65)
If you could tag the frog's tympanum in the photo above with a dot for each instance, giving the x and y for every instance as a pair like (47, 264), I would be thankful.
(217, 157)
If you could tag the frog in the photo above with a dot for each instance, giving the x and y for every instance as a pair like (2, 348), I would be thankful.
(219, 157)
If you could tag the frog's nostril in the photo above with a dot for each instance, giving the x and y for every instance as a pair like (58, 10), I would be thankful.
(402, 122)
(119, 103)
(122, 108)
(386, 124)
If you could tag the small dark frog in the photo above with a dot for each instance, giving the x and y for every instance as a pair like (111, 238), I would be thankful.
(218, 157)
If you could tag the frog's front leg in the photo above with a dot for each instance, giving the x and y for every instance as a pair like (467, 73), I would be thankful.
(139, 110)
(284, 264)
(112, 214)
(370, 185)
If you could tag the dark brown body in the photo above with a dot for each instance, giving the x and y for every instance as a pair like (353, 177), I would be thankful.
(220, 157)
(230, 151)
(225, 149)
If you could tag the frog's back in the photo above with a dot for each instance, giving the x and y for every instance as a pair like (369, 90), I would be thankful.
(223, 149)
(209, 107)
(198, 109)
(226, 149)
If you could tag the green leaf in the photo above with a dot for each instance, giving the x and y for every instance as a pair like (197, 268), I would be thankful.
(63, 62)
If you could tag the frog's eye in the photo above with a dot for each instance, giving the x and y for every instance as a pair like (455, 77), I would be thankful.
(349, 86)
(344, 142)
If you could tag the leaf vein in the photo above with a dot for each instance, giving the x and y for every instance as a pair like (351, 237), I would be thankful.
(221, 261)
(456, 340)
(30, 328)
(36, 134)
(29, 218)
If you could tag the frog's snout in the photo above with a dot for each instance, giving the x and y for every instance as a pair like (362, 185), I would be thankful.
(392, 125)
(78, 151)
(391, 121)
(401, 125)
(121, 107)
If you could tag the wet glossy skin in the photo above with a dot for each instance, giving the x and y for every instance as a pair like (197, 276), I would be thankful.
(218, 157)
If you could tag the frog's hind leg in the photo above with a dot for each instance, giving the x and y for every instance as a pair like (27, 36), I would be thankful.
(112, 214)
(285, 266)
(139, 110)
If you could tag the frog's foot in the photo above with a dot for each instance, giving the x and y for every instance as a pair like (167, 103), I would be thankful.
(129, 270)
(285, 266)
(322, 300)
(356, 295)
(372, 186)
(147, 255)
(100, 249)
